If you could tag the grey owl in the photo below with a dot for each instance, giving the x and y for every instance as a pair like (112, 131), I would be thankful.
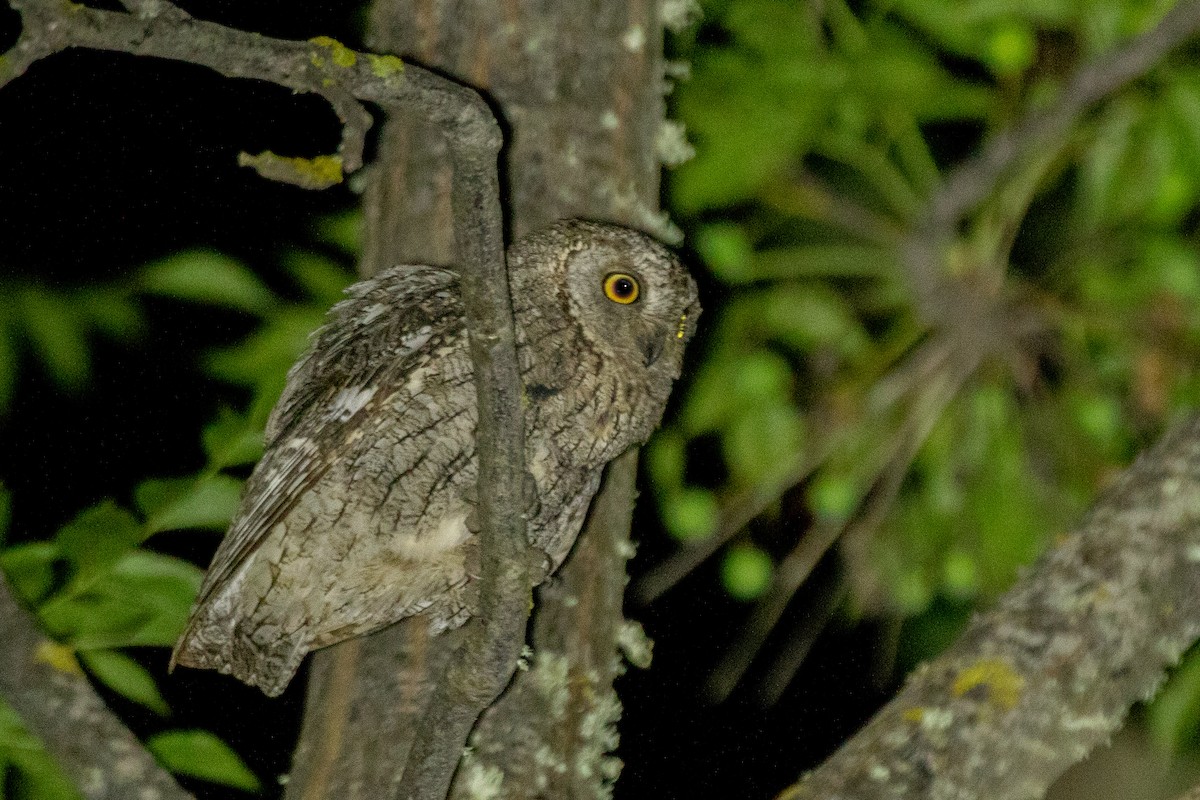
(360, 512)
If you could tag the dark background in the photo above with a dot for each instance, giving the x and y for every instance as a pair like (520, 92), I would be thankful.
(110, 162)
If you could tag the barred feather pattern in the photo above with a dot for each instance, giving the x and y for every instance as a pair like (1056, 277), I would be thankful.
(360, 512)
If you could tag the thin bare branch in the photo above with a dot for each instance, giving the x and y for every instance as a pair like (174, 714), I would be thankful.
(892, 463)
(321, 66)
(1051, 671)
(737, 512)
(920, 368)
(496, 635)
(806, 195)
(45, 686)
(800, 641)
(978, 178)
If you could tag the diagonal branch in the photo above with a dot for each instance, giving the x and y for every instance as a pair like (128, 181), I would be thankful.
(1051, 671)
(971, 183)
(93, 747)
(979, 325)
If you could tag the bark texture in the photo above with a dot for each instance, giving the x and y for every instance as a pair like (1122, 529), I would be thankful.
(44, 684)
(1037, 682)
(579, 92)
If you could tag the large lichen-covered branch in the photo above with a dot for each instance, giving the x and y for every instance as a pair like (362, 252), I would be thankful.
(1050, 672)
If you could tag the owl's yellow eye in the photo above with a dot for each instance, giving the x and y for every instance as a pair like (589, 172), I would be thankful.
(621, 288)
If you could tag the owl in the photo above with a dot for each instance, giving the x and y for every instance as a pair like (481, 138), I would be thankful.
(360, 512)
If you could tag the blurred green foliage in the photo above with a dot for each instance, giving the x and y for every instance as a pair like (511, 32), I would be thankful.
(823, 390)
(820, 391)
(99, 587)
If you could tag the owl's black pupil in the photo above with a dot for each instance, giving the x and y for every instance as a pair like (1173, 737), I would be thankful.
(623, 287)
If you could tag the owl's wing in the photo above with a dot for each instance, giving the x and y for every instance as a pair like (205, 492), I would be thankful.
(356, 362)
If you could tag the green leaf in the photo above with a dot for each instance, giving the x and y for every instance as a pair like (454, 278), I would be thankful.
(762, 442)
(204, 276)
(5, 510)
(760, 376)
(323, 279)
(126, 677)
(746, 572)
(186, 503)
(1011, 48)
(833, 497)
(200, 754)
(1174, 716)
(97, 539)
(143, 600)
(344, 231)
(30, 569)
(690, 513)
(727, 250)
(1099, 416)
(824, 261)
(265, 357)
(57, 336)
(709, 402)
(230, 440)
(9, 365)
(666, 459)
(34, 774)
(112, 312)
(811, 317)
(960, 575)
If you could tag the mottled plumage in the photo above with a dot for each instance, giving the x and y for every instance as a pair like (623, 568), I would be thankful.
(359, 513)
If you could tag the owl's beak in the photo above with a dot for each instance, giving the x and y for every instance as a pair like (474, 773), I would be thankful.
(652, 344)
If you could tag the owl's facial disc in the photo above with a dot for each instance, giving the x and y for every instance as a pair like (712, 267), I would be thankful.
(637, 302)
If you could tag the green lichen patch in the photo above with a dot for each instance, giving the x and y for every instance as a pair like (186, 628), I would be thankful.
(59, 656)
(320, 172)
(1001, 682)
(341, 55)
(385, 66)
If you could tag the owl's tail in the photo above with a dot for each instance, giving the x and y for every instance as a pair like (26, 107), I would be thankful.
(220, 641)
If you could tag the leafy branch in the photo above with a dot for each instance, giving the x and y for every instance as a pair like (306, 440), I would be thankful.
(951, 252)
(345, 79)
(55, 700)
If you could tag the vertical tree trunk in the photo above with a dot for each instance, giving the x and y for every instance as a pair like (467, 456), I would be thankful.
(579, 89)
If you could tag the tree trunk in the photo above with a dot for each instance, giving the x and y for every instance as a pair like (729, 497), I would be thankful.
(579, 91)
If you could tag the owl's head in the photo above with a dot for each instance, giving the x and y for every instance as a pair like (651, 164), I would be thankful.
(634, 300)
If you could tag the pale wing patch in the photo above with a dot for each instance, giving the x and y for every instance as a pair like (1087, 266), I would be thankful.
(349, 401)
(539, 461)
(451, 531)
(372, 313)
(414, 341)
(416, 381)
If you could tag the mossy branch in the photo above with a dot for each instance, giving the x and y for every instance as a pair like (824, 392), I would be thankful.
(1035, 683)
